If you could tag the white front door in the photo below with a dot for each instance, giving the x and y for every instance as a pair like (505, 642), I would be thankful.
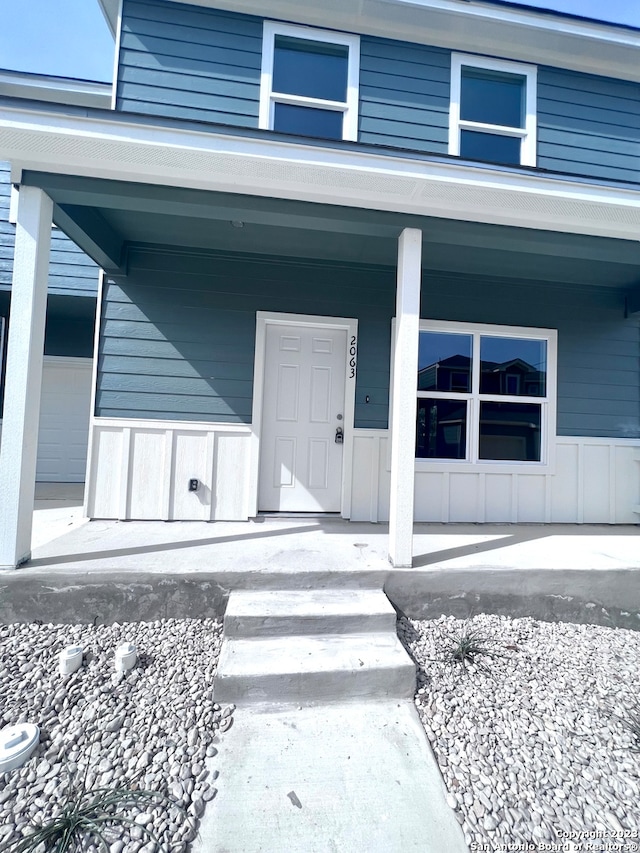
(303, 408)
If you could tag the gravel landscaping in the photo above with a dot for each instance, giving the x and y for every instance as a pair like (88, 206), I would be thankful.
(532, 737)
(153, 728)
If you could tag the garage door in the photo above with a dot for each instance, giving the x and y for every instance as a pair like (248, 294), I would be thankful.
(64, 420)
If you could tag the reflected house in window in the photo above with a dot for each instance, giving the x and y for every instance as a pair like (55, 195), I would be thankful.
(515, 377)
(450, 374)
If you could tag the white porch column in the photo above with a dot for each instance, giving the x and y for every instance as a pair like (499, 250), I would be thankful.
(403, 406)
(23, 380)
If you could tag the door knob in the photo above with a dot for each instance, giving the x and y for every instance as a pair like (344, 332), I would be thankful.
(339, 435)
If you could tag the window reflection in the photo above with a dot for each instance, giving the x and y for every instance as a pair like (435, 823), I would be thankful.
(441, 429)
(309, 68)
(308, 121)
(444, 362)
(513, 366)
(510, 431)
(490, 147)
(492, 97)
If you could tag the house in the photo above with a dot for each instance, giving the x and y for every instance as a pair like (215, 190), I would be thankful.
(300, 210)
(71, 302)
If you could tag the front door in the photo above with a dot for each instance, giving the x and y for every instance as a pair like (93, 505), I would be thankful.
(303, 411)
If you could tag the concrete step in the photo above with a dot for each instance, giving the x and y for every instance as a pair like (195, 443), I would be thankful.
(295, 612)
(306, 669)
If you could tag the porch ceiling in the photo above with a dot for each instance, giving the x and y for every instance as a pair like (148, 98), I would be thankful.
(105, 217)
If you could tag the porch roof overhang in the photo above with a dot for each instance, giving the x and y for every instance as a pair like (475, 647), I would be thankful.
(527, 34)
(116, 181)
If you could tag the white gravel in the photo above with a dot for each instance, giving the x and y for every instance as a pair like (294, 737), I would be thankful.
(153, 728)
(529, 746)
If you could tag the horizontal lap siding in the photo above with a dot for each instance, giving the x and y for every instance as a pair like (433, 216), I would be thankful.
(404, 95)
(598, 350)
(182, 62)
(178, 336)
(7, 231)
(588, 125)
(71, 272)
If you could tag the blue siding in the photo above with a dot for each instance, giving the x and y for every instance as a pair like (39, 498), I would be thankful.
(588, 124)
(7, 231)
(178, 335)
(404, 95)
(71, 272)
(189, 63)
(201, 64)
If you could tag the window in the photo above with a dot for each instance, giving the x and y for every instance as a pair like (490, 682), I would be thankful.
(309, 82)
(493, 111)
(486, 394)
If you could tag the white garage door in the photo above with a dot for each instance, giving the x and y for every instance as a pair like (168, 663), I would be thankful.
(64, 420)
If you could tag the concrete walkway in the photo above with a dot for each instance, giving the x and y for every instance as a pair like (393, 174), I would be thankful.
(326, 752)
(343, 778)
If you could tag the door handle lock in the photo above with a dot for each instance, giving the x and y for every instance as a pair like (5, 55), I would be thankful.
(339, 435)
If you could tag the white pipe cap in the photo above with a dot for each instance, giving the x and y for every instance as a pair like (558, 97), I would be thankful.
(17, 743)
(70, 659)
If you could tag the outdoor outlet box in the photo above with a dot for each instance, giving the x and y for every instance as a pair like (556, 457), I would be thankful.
(193, 485)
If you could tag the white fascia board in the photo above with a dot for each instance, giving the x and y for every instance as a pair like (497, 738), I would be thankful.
(521, 35)
(141, 153)
(59, 90)
(109, 9)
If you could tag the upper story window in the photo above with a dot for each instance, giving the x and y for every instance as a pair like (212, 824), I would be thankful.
(486, 394)
(309, 82)
(493, 110)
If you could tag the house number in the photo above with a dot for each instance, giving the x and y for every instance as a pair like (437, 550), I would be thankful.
(352, 357)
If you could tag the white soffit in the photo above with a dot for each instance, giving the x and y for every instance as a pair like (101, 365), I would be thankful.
(103, 148)
(464, 25)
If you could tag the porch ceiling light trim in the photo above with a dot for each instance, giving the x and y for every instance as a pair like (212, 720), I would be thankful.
(140, 153)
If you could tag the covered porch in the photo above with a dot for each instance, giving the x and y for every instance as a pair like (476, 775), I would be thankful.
(201, 259)
(110, 571)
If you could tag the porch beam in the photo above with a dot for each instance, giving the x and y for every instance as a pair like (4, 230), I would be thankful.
(89, 230)
(404, 403)
(23, 382)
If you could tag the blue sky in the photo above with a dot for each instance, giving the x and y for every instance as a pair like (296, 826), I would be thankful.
(70, 37)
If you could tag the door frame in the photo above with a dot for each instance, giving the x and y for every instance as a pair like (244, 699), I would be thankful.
(350, 325)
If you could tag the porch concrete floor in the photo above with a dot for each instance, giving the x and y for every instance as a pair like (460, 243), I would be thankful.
(297, 546)
(112, 570)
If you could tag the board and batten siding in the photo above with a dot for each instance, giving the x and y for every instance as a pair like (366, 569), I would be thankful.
(178, 335)
(185, 62)
(588, 125)
(71, 272)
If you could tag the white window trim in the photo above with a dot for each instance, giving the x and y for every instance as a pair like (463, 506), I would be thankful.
(528, 133)
(268, 98)
(548, 404)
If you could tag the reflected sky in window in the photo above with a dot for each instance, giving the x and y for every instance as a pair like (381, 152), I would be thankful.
(514, 366)
(312, 69)
(444, 362)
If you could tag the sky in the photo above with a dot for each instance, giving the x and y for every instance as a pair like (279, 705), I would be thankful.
(70, 38)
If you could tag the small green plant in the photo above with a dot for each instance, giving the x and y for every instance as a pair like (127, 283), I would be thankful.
(85, 814)
(470, 646)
